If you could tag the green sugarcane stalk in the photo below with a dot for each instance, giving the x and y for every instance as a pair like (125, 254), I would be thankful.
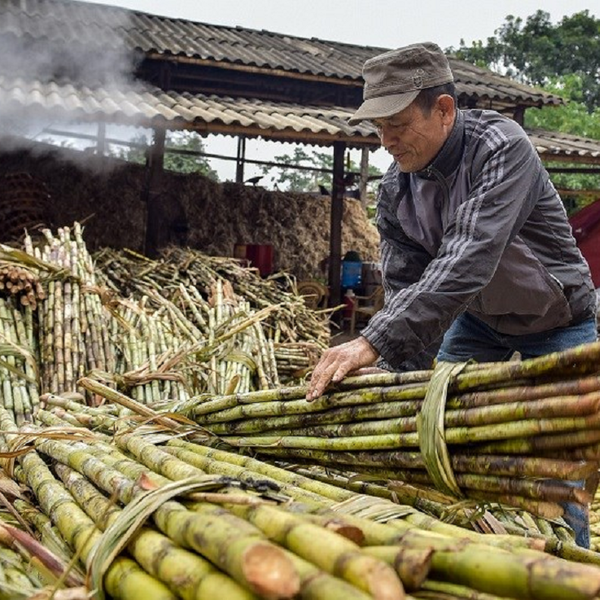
(549, 444)
(546, 408)
(333, 553)
(581, 360)
(524, 393)
(229, 542)
(187, 575)
(295, 407)
(49, 534)
(309, 422)
(58, 350)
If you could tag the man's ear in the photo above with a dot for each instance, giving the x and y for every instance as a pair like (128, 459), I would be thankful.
(447, 108)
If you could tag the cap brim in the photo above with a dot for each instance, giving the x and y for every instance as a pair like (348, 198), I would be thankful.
(382, 107)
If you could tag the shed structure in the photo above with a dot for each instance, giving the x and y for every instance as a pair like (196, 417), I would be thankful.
(103, 64)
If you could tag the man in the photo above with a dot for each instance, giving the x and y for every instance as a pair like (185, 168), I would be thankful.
(476, 249)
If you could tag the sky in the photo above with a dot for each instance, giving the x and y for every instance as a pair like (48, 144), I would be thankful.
(378, 23)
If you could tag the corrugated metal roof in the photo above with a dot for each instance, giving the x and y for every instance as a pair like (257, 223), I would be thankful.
(550, 144)
(148, 106)
(99, 26)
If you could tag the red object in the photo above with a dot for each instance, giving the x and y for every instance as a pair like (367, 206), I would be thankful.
(586, 229)
(348, 306)
(261, 257)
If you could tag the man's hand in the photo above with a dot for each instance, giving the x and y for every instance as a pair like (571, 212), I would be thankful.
(337, 362)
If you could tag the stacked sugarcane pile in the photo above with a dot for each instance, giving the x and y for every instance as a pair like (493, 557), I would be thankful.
(505, 432)
(168, 341)
(133, 275)
(149, 514)
(74, 328)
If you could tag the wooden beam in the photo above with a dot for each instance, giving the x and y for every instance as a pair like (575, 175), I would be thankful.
(335, 240)
(230, 66)
(151, 192)
(364, 176)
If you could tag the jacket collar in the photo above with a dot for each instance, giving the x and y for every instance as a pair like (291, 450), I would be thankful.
(448, 158)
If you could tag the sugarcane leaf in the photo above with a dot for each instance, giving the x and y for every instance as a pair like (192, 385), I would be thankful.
(16, 371)
(241, 357)
(372, 508)
(430, 425)
(9, 348)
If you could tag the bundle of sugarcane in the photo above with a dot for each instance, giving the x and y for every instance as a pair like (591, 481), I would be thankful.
(505, 433)
(295, 360)
(470, 515)
(481, 517)
(133, 275)
(18, 366)
(155, 348)
(252, 530)
(73, 325)
(22, 283)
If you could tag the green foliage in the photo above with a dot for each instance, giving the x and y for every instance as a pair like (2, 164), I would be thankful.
(316, 171)
(573, 118)
(564, 59)
(536, 50)
(187, 141)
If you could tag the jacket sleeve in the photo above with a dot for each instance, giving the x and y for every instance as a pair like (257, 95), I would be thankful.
(423, 298)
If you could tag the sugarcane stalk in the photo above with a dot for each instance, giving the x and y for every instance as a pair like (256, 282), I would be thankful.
(232, 544)
(524, 393)
(334, 553)
(188, 575)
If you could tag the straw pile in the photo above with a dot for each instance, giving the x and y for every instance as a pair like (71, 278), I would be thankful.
(106, 194)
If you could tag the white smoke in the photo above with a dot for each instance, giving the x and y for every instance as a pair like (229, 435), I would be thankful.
(38, 50)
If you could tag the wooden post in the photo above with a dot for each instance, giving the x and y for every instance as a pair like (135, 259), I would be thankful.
(151, 192)
(335, 241)
(241, 157)
(101, 139)
(364, 176)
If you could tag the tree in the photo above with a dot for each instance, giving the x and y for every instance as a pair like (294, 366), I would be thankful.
(535, 51)
(564, 59)
(315, 173)
(575, 119)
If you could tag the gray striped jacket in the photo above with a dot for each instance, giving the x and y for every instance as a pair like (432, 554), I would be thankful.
(482, 229)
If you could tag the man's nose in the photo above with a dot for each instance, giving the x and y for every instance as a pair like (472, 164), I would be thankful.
(387, 137)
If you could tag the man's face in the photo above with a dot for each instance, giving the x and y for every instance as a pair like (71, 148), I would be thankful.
(413, 137)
